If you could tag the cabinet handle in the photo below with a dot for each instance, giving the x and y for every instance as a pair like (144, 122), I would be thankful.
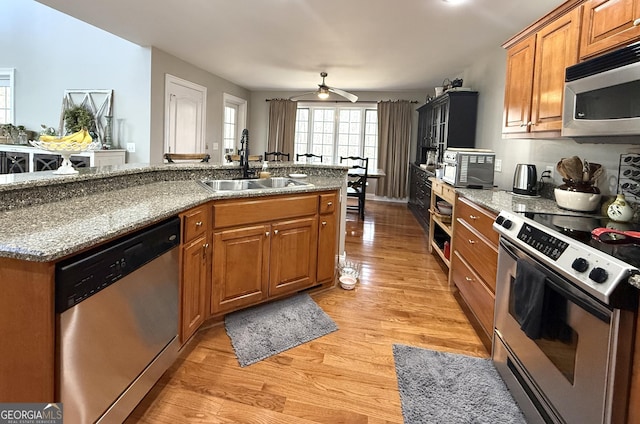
(530, 124)
(472, 241)
(206, 245)
(204, 251)
(329, 203)
(523, 125)
(266, 234)
(275, 232)
(636, 22)
(324, 223)
(199, 224)
(469, 279)
(473, 217)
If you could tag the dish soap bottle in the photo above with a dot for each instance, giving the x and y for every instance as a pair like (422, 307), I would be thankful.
(264, 173)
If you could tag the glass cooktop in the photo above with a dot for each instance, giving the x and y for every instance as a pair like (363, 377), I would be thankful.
(620, 246)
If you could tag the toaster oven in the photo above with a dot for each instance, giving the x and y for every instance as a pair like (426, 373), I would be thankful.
(469, 168)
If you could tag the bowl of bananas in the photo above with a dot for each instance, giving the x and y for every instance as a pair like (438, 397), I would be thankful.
(66, 146)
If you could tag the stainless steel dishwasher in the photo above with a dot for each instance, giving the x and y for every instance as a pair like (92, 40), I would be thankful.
(117, 323)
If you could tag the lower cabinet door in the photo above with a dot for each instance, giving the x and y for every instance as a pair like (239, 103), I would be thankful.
(474, 292)
(327, 242)
(240, 267)
(294, 247)
(196, 260)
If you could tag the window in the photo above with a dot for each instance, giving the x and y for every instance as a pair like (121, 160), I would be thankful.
(334, 131)
(234, 121)
(7, 96)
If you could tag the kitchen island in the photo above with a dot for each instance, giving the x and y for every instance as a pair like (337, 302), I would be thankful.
(47, 218)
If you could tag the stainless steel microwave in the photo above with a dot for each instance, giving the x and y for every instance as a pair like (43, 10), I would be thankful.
(472, 168)
(602, 95)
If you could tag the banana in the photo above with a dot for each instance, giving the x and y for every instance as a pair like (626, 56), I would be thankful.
(77, 137)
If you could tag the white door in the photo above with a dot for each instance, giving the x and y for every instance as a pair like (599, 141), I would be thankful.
(185, 107)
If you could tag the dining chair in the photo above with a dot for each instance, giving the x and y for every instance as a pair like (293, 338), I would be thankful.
(308, 156)
(172, 157)
(357, 181)
(277, 156)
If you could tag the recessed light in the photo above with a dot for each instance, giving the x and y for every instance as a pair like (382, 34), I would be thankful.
(453, 2)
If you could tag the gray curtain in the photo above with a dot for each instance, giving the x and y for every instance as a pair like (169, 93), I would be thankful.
(282, 125)
(394, 140)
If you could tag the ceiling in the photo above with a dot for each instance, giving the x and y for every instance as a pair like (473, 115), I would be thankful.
(364, 45)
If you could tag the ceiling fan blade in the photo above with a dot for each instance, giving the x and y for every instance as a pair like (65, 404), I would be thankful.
(351, 97)
(302, 95)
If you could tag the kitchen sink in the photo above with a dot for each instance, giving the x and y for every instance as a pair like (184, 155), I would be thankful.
(253, 184)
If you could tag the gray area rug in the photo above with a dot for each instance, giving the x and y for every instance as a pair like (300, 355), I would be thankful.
(264, 330)
(439, 387)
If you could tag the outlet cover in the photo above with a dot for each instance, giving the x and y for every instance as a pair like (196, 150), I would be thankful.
(498, 165)
(131, 147)
(551, 170)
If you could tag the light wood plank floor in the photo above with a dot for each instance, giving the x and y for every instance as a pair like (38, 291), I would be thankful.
(345, 377)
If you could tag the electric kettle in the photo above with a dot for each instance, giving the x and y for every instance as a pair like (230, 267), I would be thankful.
(525, 180)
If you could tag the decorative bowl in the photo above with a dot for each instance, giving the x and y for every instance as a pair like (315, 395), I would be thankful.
(576, 200)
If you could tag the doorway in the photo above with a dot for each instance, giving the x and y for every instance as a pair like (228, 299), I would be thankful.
(185, 111)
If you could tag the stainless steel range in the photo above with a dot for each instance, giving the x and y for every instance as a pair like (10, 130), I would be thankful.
(564, 319)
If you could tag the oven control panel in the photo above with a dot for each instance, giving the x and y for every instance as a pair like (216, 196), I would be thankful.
(593, 271)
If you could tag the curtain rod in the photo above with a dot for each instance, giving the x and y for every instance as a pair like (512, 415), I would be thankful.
(342, 101)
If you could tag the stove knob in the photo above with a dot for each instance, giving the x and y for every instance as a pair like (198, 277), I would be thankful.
(499, 219)
(507, 223)
(598, 275)
(580, 264)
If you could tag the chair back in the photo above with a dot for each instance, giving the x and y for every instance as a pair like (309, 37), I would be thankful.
(277, 156)
(172, 157)
(358, 172)
(308, 156)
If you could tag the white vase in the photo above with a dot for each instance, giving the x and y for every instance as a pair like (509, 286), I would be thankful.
(620, 210)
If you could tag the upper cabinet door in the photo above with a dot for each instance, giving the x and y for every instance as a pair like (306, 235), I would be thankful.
(607, 24)
(556, 48)
(518, 86)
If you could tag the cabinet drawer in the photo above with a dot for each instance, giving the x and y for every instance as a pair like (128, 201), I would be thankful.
(241, 212)
(480, 255)
(196, 223)
(480, 219)
(328, 203)
(479, 299)
(444, 191)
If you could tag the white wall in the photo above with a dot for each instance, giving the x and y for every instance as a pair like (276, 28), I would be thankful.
(163, 63)
(488, 77)
(52, 52)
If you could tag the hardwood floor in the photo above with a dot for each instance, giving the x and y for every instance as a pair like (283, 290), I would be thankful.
(347, 376)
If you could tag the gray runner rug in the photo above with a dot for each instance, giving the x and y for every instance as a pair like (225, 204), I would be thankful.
(265, 330)
(439, 387)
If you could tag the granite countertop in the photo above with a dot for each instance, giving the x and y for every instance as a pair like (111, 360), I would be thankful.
(498, 200)
(48, 231)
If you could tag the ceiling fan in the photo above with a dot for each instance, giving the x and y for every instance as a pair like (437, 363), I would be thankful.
(323, 91)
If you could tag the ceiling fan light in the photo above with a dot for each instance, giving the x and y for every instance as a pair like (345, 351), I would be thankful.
(323, 95)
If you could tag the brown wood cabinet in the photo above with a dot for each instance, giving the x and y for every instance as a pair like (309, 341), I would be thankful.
(327, 238)
(607, 24)
(265, 248)
(474, 262)
(195, 265)
(534, 84)
(240, 267)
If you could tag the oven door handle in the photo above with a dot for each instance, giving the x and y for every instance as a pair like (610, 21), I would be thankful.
(566, 290)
